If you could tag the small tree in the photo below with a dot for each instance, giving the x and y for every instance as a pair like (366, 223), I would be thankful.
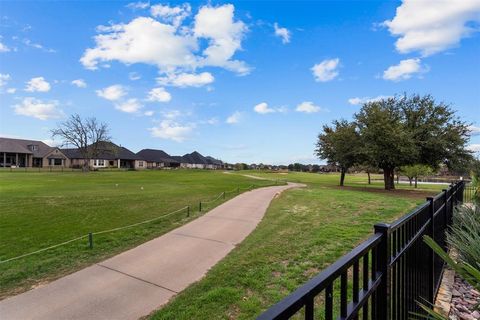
(413, 172)
(340, 145)
(87, 135)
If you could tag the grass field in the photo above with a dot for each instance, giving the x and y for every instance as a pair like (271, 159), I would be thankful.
(304, 231)
(38, 210)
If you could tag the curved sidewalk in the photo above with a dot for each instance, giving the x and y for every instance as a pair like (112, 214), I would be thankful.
(138, 281)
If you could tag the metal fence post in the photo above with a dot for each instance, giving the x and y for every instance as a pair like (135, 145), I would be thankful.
(200, 206)
(90, 240)
(382, 300)
(431, 258)
(188, 211)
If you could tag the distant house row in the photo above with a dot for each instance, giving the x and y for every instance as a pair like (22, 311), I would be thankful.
(32, 153)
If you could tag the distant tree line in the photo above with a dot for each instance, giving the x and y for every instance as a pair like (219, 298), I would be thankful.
(408, 134)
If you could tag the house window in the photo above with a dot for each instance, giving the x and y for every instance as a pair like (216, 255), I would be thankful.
(33, 147)
(55, 162)
(140, 163)
(99, 163)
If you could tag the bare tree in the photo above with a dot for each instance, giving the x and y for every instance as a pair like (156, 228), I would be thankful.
(87, 135)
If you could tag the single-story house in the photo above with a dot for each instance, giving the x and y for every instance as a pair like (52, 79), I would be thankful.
(157, 159)
(30, 153)
(109, 155)
(194, 160)
(213, 163)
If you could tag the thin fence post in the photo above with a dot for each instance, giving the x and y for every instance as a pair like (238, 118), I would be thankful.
(188, 211)
(238, 189)
(431, 258)
(447, 209)
(383, 266)
(200, 206)
(90, 240)
(224, 195)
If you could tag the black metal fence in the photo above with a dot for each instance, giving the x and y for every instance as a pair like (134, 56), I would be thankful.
(383, 277)
(470, 192)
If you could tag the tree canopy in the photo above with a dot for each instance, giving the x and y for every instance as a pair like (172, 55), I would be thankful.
(395, 132)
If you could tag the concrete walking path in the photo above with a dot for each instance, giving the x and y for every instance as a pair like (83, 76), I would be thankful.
(138, 281)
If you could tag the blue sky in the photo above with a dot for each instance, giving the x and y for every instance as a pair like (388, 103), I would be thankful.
(242, 81)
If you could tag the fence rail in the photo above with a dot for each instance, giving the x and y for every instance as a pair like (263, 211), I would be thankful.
(383, 277)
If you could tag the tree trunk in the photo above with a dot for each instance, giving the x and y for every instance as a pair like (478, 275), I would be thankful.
(389, 178)
(410, 179)
(416, 181)
(369, 180)
(342, 177)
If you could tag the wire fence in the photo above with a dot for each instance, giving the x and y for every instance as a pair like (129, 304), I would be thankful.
(90, 235)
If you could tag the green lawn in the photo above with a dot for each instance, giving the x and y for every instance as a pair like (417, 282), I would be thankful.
(38, 210)
(304, 231)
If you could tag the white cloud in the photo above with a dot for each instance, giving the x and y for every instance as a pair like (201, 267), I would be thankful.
(129, 106)
(4, 78)
(138, 5)
(172, 48)
(326, 70)
(474, 130)
(431, 26)
(134, 76)
(170, 130)
(4, 48)
(159, 95)
(149, 113)
(11, 90)
(36, 108)
(283, 33)
(112, 93)
(79, 83)
(38, 84)
(172, 114)
(404, 70)
(187, 79)
(307, 107)
(474, 147)
(358, 100)
(263, 108)
(225, 37)
(29, 43)
(173, 15)
(234, 118)
(212, 121)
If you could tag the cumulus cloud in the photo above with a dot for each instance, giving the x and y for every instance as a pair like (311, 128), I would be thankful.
(187, 79)
(38, 84)
(112, 93)
(171, 130)
(4, 78)
(149, 113)
(474, 130)
(263, 108)
(307, 107)
(159, 95)
(474, 147)
(404, 70)
(431, 26)
(358, 100)
(11, 90)
(138, 5)
(326, 70)
(39, 109)
(79, 83)
(282, 33)
(129, 106)
(173, 15)
(4, 48)
(170, 45)
(234, 118)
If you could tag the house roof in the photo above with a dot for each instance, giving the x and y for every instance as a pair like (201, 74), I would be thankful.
(156, 156)
(211, 160)
(24, 146)
(195, 158)
(107, 151)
